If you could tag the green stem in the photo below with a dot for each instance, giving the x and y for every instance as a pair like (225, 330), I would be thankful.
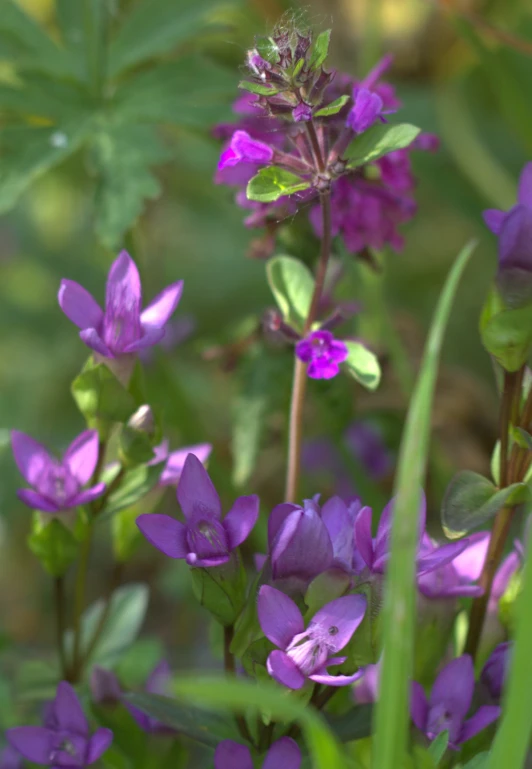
(229, 667)
(59, 597)
(79, 602)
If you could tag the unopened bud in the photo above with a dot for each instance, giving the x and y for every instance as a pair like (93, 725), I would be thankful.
(143, 420)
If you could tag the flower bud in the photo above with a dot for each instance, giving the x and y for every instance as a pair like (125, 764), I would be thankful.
(143, 420)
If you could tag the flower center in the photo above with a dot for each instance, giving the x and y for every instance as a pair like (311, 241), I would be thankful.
(310, 651)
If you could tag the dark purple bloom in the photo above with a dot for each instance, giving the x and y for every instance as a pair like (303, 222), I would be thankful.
(365, 441)
(57, 485)
(124, 328)
(367, 108)
(307, 653)
(64, 740)
(175, 460)
(283, 754)
(495, 670)
(242, 148)
(205, 539)
(10, 758)
(323, 353)
(448, 704)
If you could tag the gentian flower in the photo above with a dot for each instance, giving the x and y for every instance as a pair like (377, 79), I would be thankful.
(323, 353)
(124, 328)
(495, 670)
(175, 460)
(448, 704)
(57, 485)
(366, 689)
(205, 539)
(283, 754)
(455, 578)
(64, 740)
(308, 653)
(10, 758)
(243, 148)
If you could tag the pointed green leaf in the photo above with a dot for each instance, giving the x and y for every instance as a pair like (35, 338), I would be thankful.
(363, 365)
(292, 285)
(135, 484)
(438, 746)
(377, 141)
(54, 545)
(320, 49)
(333, 108)
(258, 88)
(271, 183)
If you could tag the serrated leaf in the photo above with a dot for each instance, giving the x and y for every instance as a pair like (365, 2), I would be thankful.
(378, 141)
(333, 108)
(292, 285)
(363, 365)
(272, 183)
(320, 49)
(135, 484)
(258, 88)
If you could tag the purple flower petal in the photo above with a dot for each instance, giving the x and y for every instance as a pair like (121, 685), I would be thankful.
(484, 716)
(36, 501)
(79, 306)
(284, 670)
(241, 519)
(283, 754)
(165, 533)
(150, 337)
(33, 742)
(159, 678)
(504, 573)
(279, 617)
(88, 495)
(454, 686)
(515, 240)
(10, 758)
(367, 107)
(196, 490)
(469, 563)
(243, 148)
(158, 313)
(277, 517)
(320, 369)
(363, 536)
(231, 755)
(419, 707)
(93, 340)
(340, 618)
(68, 711)
(524, 191)
(104, 686)
(142, 719)
(337, 520)
(329, 680)
(440, 557)
(206, 563)
(98, 744)
(123, 299)
(31, 457)
(176, 460)
(82, 455)
(494, 219)
(302, 546)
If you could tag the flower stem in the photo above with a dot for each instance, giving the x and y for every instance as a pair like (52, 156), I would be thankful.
(79, 603)
(300, 368)
(59, 597)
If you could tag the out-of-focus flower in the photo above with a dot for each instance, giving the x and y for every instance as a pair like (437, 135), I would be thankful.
(366, 443)
(283, 754)
(366, 689)
(323, 353)
(307, 653)
(10, 758)
(495, 670)
(57, 485)
(175, 460)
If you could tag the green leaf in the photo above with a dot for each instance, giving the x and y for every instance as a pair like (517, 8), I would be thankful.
(38, 95)
(320, 49)
(271, 183)
(258, 88)
(521, 437)
(392, 709)
(438, 746)
(100, 396)
(507, 335)
(377, 141)
(292, 285)
(155, 27)
(135, 484)
(54, 545)
(268, 49)
(363, 365)
(471, 500)
(480, 761)
(123, 156)
(333, 108)
(221, 590)
(354, 725)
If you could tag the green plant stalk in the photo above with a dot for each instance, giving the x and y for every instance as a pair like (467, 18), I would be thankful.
(59, 599)
(79, 603)
(392, 709)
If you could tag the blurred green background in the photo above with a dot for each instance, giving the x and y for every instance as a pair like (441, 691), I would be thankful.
(154, 156)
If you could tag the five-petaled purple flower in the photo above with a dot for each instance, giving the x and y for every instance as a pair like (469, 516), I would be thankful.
(307, 653)
(283, 754)
(448, 705)
(494, 672)
(205, 539)
(323, 353)
(57, 485)
(124, 328)
(64, 740)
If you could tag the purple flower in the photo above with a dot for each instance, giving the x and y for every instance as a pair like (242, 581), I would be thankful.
(175, 460)
(448, 704)
(205, 539)
(455, 578)
(57, 485)
(496, 219)
(123, 328)
(301, 653)
(494, 672)
(157, 683)
(366, 689)
(366, 443)
(367, 108)
(243, 148)
(302, 112)
(10, 758)
(283, 754)
(64, 740)
(323, 353)
(105, 686)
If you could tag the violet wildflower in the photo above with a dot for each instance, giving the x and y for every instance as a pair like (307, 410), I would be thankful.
(57, 485)
(64, 740)
(366, 443)
(123, 328)
(205, 539)
(10, 758)
(175, 460)
(494, 672)
(449, 703)
(283, 754)
(367, 108)
(242, 148)
(158, 682)
(323, 353)
(456, 578)
(366, 689)
(307, 653)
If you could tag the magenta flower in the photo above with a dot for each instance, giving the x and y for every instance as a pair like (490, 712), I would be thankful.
(205, 539)
(301, 653)
(175, 460)
(123, 328)
(283, 754)
(57, 485)
(495, 670)
(244, 149)
(367, 108)
(64, 740)
(449, 703)
(323, 353)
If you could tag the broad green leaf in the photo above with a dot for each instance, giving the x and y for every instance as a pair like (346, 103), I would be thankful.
(42, 96)
(258, 88)
(155, 27)
(320, 49)
(438, 746)
(392, 709)
(100, 396)
(36, 680)
(268, 49)
(522, 438)
(507, 335)
(353, 725)
(333, 108)
(123, 156)
(363, 365)
(292, 285)
(377, 141)
(271, 183)
(135, 484)
(54, 545)
(472, 500)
